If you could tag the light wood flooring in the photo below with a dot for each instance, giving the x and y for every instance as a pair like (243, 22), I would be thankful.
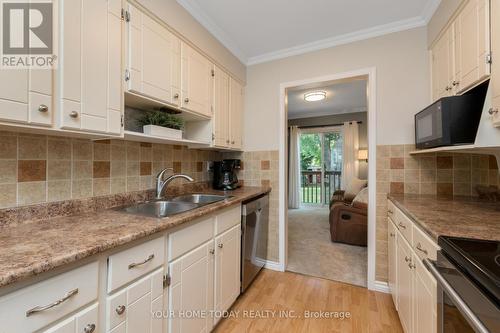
(275, 291)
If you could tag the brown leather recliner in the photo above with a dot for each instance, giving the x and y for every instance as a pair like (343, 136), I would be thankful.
(348, 221)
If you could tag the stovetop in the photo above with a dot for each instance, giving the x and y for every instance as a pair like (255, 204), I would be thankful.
(480, 259)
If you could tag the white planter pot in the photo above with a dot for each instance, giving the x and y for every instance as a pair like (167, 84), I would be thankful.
(165, 132)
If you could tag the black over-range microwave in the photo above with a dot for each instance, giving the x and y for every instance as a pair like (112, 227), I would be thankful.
(450, 120)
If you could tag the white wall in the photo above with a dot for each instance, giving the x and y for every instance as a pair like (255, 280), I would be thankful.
(401, 61)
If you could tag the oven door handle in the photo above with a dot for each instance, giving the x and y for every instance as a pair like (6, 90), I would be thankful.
(472, 319)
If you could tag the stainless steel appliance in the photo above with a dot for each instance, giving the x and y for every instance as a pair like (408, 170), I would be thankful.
(468, 276)
(451, 120)
(254, 227)
(225, 177)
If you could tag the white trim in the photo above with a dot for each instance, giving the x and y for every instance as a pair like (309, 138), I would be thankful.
(372, 146)
(273, 265)
(350, 37)
(430, 8)
(222, 36)
(382, 287)
(225, 38)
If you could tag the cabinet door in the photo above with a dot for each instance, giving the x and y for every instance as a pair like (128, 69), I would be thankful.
(192, 290)
(474, 40)
(495, 66)
(424, 299)
(221, 108)
(227, 268)
(443, 64)
(90, 69)
(392, 260)
(196, 81)
(236, 114)
(131, 310)
(404, 283)
(86, 319)
(150, 56)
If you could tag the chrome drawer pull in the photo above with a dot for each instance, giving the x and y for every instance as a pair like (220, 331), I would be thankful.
(390, 211)
(407, 259)
(90, 328)
(148, 259)
(402, 225)
(392, 234)
(220, 246)
(419, 247)
(51, 305)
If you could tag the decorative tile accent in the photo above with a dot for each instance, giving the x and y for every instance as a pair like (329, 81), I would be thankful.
(146, 168)
(31, 170)
(444, 162)
(102, 169)
(397, 163)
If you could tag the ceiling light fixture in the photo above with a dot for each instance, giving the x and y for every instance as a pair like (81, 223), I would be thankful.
(315, 96)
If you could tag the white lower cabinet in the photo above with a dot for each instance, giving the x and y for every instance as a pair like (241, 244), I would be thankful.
(132, 309)
(85, 321)
(191, 290)
(413, 288)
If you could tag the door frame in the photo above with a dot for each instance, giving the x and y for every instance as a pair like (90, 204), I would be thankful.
(321, 131)
(370, 72)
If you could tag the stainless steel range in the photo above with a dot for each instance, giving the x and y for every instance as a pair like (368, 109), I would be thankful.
(468, 276)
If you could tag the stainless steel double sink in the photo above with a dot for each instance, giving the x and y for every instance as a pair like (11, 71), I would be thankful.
(176, 205)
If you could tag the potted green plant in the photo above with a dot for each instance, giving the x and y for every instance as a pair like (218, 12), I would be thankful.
(160, 123)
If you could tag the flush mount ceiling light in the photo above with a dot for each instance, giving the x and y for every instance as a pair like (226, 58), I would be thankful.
(315, 96)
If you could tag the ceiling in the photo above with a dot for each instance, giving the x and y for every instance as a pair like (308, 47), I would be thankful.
(262, 30)
(344, 96)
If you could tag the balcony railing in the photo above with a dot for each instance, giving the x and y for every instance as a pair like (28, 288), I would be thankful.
(312, 186)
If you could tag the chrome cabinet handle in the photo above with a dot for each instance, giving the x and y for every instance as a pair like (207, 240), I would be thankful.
(148, 259)
(227, 141)
(392, 234)
(90, 328)
(492, 111)
(455, 83)
(212, 251)
(402, 225)
(43, 108)
(407, 259)
(186, 100)
(419, 247)
(448, 88)
(220, 246)
(390, 211)
(412, 266)
(120, 309)
(37, 309)
(73, 114)
(176, 96)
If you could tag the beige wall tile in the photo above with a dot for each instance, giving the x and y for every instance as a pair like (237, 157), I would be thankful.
(82, 169)
(8, 171)
(101, 187)
(82, 150)
(31, 193)
(32, 147)
(58, 169)
(8, 146)
(118, 185)
(59, 149)
(102, 151)
(58, 190)
(81, 188)
(8, 195)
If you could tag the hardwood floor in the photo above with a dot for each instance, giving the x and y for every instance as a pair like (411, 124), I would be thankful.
(276, 291)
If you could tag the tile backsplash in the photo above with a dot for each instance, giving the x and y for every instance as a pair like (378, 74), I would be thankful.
(442, 174)
(39, 168)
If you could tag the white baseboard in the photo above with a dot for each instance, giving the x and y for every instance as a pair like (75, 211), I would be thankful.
(272, 265)
(382, 287)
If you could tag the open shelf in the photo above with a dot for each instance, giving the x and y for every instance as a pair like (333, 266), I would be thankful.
(471, 149)
(141, 137)
(145, 103)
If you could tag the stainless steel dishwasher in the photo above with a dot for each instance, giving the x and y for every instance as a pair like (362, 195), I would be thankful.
(254, 233)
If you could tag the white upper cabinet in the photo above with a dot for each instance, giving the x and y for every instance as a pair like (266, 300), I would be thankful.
(153, 58)
(90, 72)
(495, 65)
(221, 109)
(474, 43)
(461, 56)
(197, 81)
(236, 114)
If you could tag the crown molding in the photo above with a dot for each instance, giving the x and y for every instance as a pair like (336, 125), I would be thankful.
(430, 8)
(195, 10)
(339, 40)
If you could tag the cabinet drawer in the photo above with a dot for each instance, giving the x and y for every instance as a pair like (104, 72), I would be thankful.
(130, 264)
(227, 219)
(78, 287)
(404, 225)
(423, 245)
(84, 320)
(184, 240)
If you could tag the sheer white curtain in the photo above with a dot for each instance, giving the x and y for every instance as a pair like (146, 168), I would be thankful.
(294, 169)
(349, 158)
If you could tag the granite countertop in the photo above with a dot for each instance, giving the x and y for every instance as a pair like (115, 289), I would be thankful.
(29, 249)
(451, 216)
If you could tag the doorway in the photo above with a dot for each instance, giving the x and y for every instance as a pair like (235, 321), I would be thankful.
(320, 164)
(324, 187)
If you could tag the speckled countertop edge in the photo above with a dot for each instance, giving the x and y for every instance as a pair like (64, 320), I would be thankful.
(19, 262)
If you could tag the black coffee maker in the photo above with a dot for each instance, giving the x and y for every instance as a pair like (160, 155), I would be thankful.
(225, 174)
